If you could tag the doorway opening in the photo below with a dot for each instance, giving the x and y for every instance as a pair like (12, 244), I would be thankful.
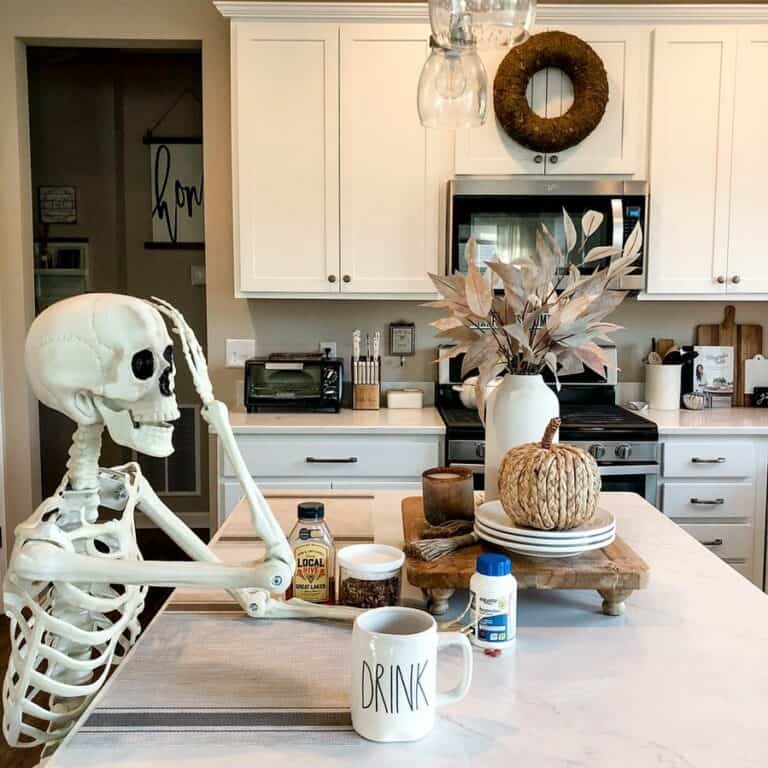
(116, 152)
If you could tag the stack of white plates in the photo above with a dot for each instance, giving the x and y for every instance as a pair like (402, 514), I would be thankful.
(493, 525)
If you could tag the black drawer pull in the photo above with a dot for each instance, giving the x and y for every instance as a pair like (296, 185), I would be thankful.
(713, 543)
(718, 460)
(710, 502)
(315, 460)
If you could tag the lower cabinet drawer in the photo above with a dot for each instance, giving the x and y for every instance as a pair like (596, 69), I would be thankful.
(731, 542)
(743, 567)
(715, 458)
(331, 456)
(702, 500)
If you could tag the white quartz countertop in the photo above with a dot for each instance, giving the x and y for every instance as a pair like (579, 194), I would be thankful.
(711, 421)
(393, 421)
(681, 680)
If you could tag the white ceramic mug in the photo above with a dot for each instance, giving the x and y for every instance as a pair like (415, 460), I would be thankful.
(394, 673)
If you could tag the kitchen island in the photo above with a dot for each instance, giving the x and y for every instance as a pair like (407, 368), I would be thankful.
(679, 680)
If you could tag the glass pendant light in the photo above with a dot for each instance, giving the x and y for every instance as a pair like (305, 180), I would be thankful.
(491, 23)
(453, 88)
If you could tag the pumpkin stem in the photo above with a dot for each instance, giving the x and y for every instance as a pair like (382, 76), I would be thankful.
(549, 433)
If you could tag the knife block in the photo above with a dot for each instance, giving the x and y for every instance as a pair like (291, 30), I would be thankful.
(366, 397)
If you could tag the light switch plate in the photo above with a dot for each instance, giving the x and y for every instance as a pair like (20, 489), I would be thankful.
(197, 274)
(238, 351)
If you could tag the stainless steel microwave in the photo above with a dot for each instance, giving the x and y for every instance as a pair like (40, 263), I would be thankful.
(503, 214)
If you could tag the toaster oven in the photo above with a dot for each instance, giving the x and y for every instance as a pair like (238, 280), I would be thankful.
(285, 382)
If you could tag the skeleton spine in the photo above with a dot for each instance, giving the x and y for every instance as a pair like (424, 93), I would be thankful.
(83, 463)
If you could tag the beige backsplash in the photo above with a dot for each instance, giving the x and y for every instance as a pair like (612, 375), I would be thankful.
(298, 325)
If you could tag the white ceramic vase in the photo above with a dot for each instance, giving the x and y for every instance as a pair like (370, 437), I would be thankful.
(517, 412)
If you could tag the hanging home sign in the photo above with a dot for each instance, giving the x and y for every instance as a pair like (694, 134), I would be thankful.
(176, 179)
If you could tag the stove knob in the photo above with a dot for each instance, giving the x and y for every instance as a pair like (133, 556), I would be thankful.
(597, 451)
(480, 450)
(623, 452)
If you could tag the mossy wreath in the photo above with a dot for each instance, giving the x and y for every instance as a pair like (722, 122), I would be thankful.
(590, 92)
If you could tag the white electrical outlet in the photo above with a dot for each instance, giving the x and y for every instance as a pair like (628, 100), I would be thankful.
(238, 351)
(323, 345)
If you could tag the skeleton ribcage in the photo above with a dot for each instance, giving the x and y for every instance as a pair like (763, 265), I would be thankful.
(66, 637)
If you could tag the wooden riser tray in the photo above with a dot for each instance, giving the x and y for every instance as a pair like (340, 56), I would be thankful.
(615, 571)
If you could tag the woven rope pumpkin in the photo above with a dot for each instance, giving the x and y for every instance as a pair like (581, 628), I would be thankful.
(548, 485)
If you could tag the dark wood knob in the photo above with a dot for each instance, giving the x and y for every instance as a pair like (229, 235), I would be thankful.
(331, 278)
(347, 279)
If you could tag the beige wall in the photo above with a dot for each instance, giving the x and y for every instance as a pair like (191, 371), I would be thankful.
(276, 324)
(144, 23)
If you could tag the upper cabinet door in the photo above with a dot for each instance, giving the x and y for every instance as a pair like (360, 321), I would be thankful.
(747, 263)
(690, 159)
(285, 156)
(393, 171)
(488, 149)
(617, 145)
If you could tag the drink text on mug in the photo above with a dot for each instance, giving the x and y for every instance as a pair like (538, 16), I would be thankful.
(394, 689)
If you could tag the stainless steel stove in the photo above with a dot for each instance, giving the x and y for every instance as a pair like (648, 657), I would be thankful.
(624, 444)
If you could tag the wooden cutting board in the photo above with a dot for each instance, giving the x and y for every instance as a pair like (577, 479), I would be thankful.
(746, 340)
(614, 571)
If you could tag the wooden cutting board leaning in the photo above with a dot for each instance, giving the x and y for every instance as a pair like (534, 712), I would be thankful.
(746, 340)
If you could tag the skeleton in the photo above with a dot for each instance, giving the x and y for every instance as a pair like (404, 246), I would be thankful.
(76, 581)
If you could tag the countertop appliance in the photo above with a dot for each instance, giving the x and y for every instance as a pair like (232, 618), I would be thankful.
(293, 382)
(504, 214)
(624, 444)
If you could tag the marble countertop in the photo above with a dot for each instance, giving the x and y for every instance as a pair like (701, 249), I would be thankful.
(393, 421)
(680, 680)
(711, 421)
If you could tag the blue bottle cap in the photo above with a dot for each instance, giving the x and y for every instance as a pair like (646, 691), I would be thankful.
(491, 564)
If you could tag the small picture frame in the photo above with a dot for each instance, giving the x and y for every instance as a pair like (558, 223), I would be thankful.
(402, 339)
(57, 205)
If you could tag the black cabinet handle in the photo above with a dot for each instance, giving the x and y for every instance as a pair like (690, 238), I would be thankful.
(713, 543)
(315, 460)
(718, 460)
(711, 502)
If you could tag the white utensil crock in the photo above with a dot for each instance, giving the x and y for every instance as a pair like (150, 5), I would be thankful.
(662, 387)
(518, 412)
(394, 670)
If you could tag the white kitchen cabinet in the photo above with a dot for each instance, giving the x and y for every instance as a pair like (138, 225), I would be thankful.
(616, 146)
(691, 136)
(714, 488)
(330, 460)
(339, 190)
(747, 271)
(707, 215)
(285, 126)
(393, 171)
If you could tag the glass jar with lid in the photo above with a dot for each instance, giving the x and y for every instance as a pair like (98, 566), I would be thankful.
(369, 575)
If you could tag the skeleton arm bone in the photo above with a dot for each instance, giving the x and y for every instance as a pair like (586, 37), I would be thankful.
(43, 561)
(216, 414)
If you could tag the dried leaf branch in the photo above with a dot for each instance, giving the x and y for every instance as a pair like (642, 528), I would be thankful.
(547, 316)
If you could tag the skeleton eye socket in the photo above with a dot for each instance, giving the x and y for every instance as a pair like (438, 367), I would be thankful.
(143, 364)
(168, 354)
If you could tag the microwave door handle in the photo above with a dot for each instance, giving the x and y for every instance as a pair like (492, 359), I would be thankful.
(617, 216)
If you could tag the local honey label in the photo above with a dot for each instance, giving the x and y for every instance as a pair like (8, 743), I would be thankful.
(312, 581)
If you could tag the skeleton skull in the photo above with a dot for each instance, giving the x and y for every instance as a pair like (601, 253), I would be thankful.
(107, 358)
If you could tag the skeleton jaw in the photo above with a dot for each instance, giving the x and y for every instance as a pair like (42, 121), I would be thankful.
(147, 433)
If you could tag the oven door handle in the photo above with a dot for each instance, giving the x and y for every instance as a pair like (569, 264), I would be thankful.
(634, 469)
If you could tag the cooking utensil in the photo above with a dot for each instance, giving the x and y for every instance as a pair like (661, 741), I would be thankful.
(663, 346)
(655, 359)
